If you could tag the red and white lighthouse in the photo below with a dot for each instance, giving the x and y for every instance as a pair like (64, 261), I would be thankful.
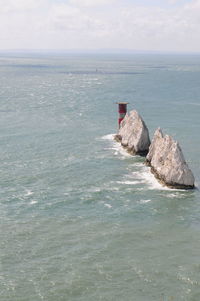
(122, 109)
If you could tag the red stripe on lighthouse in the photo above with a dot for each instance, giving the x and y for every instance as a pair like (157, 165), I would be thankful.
(122, 109)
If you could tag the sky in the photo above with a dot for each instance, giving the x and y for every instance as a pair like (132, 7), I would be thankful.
(139, 25)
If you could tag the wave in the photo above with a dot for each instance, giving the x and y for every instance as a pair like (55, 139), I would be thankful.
(28, 193)
(108, 137)
(129, 182)
(116, 147)
(33, 202)
(144, 201)
(108, 205)
(141, 174)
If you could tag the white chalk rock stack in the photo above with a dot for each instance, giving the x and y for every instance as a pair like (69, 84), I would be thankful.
(167, 162)
(133, 134)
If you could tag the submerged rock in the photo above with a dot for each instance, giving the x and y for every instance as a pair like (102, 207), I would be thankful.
(133, 134)
(167, 162)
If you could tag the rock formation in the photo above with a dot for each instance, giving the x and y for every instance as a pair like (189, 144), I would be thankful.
(133, 134)
(167, 162)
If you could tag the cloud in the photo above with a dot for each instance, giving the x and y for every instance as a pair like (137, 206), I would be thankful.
(7, 6)
(91, 2)
(163, 29)
(81, 24)
(175, 1)
(67, 18)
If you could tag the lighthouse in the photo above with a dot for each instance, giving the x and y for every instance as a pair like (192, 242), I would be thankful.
(122, 109)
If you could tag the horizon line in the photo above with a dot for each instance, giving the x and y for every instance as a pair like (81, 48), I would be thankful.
(98, 51)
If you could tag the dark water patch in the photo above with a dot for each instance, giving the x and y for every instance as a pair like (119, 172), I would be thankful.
(29, 66)
(157, 67)
(8, 111)
(102, 73)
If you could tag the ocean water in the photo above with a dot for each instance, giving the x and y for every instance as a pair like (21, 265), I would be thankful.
(80, 219)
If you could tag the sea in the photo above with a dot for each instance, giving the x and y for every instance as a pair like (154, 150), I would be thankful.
(80, 218)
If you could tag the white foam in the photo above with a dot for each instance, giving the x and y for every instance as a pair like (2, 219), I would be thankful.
(144, 201)
(176, 195)
(108, 137)
(151, 181)
(70, 158)
(33, 202)
(95, 189)
(28, 193)
(116, 146)
(120, 150)
(129, 182)
(172, 195)
(145, 176)
(113, 188)
(108, 205)
(141, 164)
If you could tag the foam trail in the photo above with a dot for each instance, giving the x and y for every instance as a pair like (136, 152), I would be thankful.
(108, 137)
(33, 202)
(28, 193)
(151, 181)
(108, 206)
(116, 146)
(144, 201)
(129, 182)
(176, 195)
(143, 174)
(120, 150)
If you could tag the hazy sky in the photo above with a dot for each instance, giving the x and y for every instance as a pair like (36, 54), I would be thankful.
(166, 25)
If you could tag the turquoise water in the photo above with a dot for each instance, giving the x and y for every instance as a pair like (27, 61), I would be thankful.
(79, 218)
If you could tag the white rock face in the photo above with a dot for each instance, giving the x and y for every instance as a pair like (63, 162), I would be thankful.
(168, 163)
(134, 134)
